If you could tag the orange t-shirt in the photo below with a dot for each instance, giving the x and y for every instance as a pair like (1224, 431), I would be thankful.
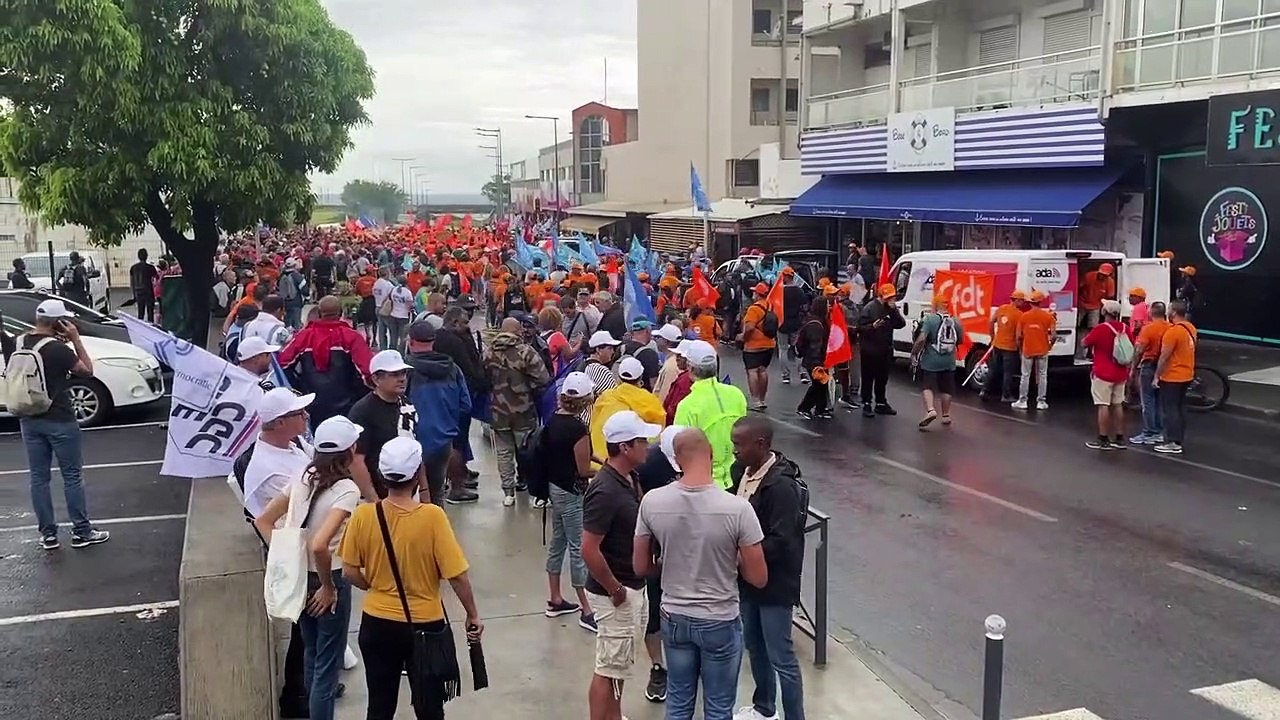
(1149, 337)
(269, 273)
(414, 280)
(364, 286)
(1096, 288)
(1038, 327)
(1006, 322)
(1181, 366)
(707, 327)
(755, 339)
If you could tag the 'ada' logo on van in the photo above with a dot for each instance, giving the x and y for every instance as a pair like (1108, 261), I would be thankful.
(1048, 273)
(1233, 228)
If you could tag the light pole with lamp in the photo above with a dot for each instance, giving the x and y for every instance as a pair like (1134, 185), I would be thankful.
(555, 149)
(495, 134)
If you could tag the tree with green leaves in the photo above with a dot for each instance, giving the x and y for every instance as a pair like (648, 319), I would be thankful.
(199, 117)
(498, 190)
(381, 200)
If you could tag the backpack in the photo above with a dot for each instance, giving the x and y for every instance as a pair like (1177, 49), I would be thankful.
(67, 278)
(769, 324)
(26, 389)
(288, 288)
(544, 350)
(529, 466)
(948, 335)
(1122, 349)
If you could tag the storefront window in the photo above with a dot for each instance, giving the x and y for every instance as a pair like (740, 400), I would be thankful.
(949, 237)
(1000, 237)
(898, 234)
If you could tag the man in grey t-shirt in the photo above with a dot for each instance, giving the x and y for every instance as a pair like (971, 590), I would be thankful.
(707, 537)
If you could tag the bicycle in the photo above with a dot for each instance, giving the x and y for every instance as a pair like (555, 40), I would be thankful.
(1209, 390)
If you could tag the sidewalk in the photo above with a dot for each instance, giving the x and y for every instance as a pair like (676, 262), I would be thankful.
(539, 667)
(1254, 372)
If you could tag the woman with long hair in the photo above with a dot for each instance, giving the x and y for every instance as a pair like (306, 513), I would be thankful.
(811, 349)
(566, 449)
(324, 497)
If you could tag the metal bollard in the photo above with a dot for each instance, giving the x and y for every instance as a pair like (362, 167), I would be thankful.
(993, 668)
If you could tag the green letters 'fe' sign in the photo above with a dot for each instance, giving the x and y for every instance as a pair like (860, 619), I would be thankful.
(1244, 129)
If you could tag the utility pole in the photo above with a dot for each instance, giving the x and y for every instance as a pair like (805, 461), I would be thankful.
(495, 134)
(555, 148)
(404, 181)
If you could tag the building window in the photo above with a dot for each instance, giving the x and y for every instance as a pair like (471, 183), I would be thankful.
(746, 173)
(761, 22)
(1068, 32)
(8, 239)
(593, 136)
(793, 99)
(876, 55)
(998, 45)
(760, 100)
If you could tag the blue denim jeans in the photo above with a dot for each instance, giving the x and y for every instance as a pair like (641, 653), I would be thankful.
(766, 631)
(325, 642)
(566, 536)
(46, 440)
(1152, 418)
(706, 650)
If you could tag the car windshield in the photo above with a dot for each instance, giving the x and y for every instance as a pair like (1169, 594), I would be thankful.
(38, 265)
(35, 297)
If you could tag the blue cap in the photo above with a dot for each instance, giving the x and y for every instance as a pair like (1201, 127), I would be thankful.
(641, 324)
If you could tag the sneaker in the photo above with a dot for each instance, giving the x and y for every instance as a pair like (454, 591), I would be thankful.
(508, 500)
(656, 690)
(758, 406)
(588, 622)
(1018, 405)
(521, 486)
(463, 498)
(1142, 439)
(95, 537)
(564, 607)
(349, 659)
(1098, 444)
(473, 474)
(885, 409)
(868, 411)
(804, 414)
(539, 503)
(1008, 399)
(50, 542)
(1169, 448)
(928, 419)
(750, 713)
(1118, 443)
(851, 403)
(825, 415)
(804, 379)
(471, 483)
(786, 379)
(1042, 404)
(946, 419)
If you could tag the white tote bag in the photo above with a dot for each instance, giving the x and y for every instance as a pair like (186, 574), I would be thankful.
(285, 583)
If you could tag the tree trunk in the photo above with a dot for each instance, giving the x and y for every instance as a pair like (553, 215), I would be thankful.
(195, 257)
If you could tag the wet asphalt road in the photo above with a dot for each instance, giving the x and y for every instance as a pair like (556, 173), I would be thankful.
(1127, 578)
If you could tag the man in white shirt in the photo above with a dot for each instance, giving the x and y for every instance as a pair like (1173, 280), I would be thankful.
(280, 454)
(269, 325)
(255, 356)
(381, 293)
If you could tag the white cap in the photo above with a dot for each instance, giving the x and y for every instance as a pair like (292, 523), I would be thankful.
(626, 426)
(388, 361)
(668, 332)
(668, 444)
(630, 369)
(255, 346)
(577, 384)
(600, 338)
(278, 402)
(53, 309)
(682, 348)
(700, 353)
(400, 459)
(337, 434)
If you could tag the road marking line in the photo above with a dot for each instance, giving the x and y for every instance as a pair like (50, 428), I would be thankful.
(89, 612)
(1209, 468)
(1077, 714)
(154, 423)
(102, 466)
(1230, 584)
(965, 489)
(108, 521)
(798, 428)
(994, 414)
(1252, 699)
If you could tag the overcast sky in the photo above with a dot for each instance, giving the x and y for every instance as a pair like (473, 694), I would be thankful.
(445, 68)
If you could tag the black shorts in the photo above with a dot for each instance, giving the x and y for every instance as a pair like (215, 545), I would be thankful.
(753, 359)
(943, 383)
(654, 587)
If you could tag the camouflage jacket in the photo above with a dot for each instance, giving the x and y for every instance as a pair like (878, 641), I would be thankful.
(518, 375)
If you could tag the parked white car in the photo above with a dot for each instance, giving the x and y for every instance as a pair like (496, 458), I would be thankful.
(123, 376)
(42, 276)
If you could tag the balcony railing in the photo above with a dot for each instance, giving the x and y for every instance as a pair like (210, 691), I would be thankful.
(770, 117)
(1028, 82)
(862, 106)
(1240, 49)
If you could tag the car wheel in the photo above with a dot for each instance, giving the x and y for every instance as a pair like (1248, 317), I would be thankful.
(90, 402)
(974, 361)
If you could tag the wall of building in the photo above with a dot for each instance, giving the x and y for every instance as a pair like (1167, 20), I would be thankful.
(781, 178)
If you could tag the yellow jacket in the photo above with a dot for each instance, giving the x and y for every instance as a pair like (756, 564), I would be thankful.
(624, 397)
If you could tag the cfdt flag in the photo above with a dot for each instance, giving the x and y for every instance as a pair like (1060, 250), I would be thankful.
(699, 193)
(839, 350)
(635, 301)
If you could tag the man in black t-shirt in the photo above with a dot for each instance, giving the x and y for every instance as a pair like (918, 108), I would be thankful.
(18, 279)
(142, 276)
(795, 304)
(384, 413)
(55, 434)
(323, 274)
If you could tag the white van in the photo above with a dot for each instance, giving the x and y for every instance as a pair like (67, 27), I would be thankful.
(1057, 273)
(43, 277)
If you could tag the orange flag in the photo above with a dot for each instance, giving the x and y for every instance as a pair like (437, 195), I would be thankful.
(839, 350)
(885, 266)
(702, 288)
(774, 299)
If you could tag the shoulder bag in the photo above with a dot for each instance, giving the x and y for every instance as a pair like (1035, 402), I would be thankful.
(435, 655)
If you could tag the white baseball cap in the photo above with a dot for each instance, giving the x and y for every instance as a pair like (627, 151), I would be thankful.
(700, 353)
(337, 434)
(255, 346)
(278, 402)
(682, 348)
(630, 369)
(626, 426)
(600, 338)
(577, 384)
(667, 442)
(400, 459)
(668, 332)
(53, 309)
(388, 361)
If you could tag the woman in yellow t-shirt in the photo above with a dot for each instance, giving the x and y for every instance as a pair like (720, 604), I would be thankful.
(425, 552)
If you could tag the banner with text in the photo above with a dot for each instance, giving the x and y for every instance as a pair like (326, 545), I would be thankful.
(971, 295)
(213, 417)
(921, 141)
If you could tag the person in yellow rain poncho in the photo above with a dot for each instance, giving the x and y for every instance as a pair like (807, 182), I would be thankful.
(630, 395)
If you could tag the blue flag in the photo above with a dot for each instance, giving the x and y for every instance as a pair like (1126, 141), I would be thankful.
(700, 200)
(603, 250)
(635, 301)
(638, 256)
(523, 254)
(587, 249)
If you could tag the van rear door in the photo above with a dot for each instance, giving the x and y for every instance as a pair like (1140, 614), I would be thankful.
(1059, 278)
(1150, 274)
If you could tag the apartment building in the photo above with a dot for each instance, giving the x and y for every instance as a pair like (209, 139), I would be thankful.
(1130, 125)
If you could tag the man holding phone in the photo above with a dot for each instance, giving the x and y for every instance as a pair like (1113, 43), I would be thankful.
(55, 433)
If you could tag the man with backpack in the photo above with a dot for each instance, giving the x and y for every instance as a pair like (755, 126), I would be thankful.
(934, 351)
(36, 377)
(517, 375)
(759, 344)
(73, 280)
(292, 289)
(1113, 353)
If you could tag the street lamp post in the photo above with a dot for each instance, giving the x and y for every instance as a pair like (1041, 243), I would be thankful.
(404, 180)
(555, 149)
(495, 134)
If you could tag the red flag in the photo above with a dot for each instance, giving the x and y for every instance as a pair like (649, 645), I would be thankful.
(838, 348)
(774, 299)
(885, 266)
(702, 289)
